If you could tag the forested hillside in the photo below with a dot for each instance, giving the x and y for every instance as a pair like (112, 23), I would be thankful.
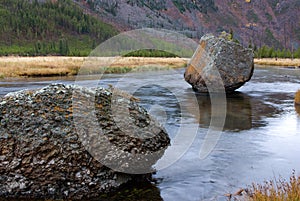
(55, 27)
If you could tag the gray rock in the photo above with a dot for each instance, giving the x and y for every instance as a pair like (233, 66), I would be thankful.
(45, 143)
(218, 57)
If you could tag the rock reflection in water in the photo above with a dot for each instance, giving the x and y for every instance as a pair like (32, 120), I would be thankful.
(243, 112)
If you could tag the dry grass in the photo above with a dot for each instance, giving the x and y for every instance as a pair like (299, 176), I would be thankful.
(278, 190)
(64, 66)
(278, 62)
(39, 66)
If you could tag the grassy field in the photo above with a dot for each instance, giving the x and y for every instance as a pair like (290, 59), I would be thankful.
(66, 66)
(278, 62)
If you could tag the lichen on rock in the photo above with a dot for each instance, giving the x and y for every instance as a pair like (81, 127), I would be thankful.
(219, 58)
(46, 153)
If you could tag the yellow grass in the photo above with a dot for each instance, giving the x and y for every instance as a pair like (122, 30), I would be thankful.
(54, 65)
(39, 66)
(279, 190)
(278, 62)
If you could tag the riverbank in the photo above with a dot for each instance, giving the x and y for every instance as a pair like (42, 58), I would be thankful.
(68, 66)
(277, 62)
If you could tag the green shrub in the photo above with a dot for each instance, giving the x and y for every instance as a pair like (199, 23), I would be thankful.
(149, 53)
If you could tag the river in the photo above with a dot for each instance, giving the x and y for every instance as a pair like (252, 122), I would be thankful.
(260, 139)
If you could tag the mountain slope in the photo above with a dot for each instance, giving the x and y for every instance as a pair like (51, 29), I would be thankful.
(35, 27)
(256, 22)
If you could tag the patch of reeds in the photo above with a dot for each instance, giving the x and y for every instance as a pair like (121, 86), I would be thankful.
(276, 190)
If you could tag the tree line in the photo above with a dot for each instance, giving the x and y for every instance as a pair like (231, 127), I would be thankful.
(265, 51)
(32, 27)
(271, 52)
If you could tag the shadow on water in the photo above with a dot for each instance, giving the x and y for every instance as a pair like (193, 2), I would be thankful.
(243, 111)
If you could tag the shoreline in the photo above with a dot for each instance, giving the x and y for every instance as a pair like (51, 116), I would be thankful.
(288, 62)
(49, 66)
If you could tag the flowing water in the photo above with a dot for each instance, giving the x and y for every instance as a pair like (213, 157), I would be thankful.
(260, 139)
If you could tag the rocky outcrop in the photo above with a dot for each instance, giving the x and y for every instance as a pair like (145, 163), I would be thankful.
(215, 58)
(263, 22)
(47, 149)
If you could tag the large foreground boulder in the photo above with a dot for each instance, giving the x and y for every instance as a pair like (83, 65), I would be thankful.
(51, 148)
(234, 64)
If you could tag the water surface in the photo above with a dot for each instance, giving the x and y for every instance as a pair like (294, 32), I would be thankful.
(260, 139)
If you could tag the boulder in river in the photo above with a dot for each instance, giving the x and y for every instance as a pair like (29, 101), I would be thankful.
(45, 142)
(218, 57)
